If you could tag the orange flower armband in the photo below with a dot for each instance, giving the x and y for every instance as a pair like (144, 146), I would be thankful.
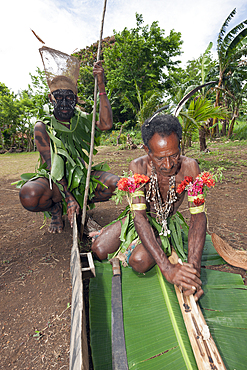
(199, 202)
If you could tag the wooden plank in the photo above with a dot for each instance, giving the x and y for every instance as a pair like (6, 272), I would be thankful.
(78, 335)
(205, 351)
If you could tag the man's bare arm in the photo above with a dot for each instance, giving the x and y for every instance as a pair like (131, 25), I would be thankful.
(196, 239)
(105, 113)
(197, 229)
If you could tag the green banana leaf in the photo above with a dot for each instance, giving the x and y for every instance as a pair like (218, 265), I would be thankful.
(57, 169)
(155, 334)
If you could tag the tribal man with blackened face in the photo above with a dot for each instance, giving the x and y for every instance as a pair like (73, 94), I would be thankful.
(57, 194)
(64, 102)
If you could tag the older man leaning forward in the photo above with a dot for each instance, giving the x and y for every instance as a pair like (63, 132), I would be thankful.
(166, 169)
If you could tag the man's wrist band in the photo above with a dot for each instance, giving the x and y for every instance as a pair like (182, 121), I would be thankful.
(137, 193)
(138, 207)
(103, 93)
(196, 210)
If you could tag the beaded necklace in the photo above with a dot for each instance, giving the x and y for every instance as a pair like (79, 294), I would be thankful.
(153, 194)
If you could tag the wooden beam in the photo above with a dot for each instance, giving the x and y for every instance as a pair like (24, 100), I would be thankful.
(204, 348)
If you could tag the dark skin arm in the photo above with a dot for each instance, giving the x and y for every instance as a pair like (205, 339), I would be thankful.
(105, 113)
(196, 241)
(184, 275)
(187, 275)
(42, 142)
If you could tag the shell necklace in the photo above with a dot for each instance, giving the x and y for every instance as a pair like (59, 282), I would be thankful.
(153, 194)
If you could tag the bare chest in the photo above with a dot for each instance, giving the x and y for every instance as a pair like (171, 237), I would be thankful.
(165, 194)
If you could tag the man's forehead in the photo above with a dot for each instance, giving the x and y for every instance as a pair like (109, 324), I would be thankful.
(63, 92)
(158, 140)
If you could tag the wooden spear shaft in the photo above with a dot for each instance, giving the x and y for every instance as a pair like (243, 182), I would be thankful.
(204, 348)
(84, 210)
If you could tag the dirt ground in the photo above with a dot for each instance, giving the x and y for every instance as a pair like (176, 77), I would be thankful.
(35, 285)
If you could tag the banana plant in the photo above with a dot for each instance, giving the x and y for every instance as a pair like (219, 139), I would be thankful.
(231, 47)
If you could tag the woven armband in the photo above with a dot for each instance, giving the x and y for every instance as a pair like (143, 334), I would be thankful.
(195, 210)
(138, 193)
(138, 207)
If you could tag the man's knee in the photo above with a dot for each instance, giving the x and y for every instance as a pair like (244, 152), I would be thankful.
(98, 250)
(140, 263)
(112, 182)
(31, 194)
(28, 195)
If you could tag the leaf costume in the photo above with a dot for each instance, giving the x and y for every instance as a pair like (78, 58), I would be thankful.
(69, 152)
(178, 238)
(129, 235)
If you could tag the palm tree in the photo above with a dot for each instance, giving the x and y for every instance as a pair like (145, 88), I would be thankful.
(195, 117)
(230, 49)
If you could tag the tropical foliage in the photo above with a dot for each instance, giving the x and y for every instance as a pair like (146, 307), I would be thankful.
(142, 73)
(147, 104)
(231, 48)
(139, 57)
(195, 117)
(18, 113)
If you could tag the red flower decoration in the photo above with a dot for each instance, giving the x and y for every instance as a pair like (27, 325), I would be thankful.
(208, 179)
(123, 184)
(140, 179)
(130, 184)
(198, 201)
(181, 187)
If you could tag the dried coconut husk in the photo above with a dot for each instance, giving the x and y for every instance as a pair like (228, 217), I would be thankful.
(231, 255)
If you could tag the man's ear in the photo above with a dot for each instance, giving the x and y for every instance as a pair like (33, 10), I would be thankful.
(49, 96)
(146, 148)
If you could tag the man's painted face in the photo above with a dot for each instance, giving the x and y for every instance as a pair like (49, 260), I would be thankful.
(164, 153)
(64, 104)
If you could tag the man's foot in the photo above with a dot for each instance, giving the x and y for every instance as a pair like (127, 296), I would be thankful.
(94, 234)
(56, 225)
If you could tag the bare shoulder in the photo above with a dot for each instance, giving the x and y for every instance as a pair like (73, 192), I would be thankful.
(40, 126)
(139, 165)
(189, 167)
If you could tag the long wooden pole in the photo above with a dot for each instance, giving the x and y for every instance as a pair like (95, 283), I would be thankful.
(84, 210)
(204, 348)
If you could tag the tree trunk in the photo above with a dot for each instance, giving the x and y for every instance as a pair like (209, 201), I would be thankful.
(121, 128)
(216, 104)
(235, 115)
(202, 138)
(188, 142)
(210, 124)
(223, 130)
